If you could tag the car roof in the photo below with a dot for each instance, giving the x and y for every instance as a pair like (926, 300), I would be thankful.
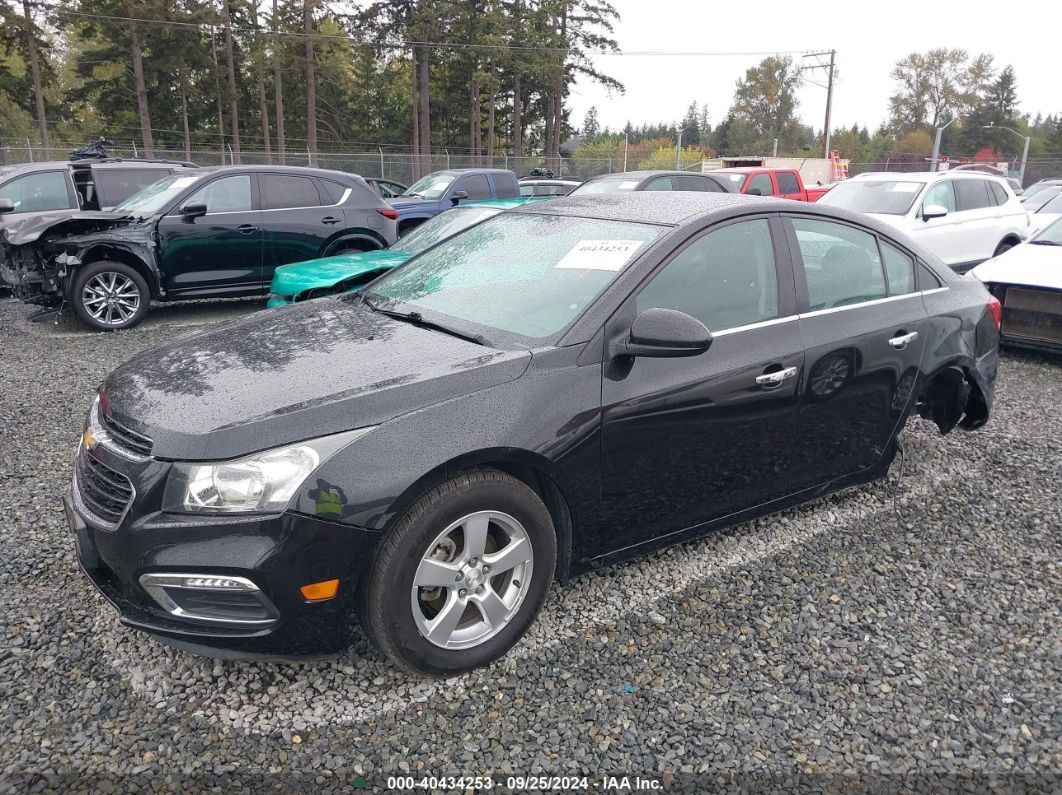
(303, 170)
(923, 176)
(648, 173)
(750, 169)
(651, 207)
(112, 162)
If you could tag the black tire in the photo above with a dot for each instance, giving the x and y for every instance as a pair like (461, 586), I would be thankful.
(387, 599)
(1006, 245)
(91, 315)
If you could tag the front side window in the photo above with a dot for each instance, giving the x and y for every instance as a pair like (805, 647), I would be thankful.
(476, 186)
(787, 182)
(725, 279)
(37, 192)
(225, 195)
(760, 185)
(841, 263)
(286, 192)
(529, 275)
(942, 194)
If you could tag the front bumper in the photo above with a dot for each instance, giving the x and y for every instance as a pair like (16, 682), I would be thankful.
(278, 554)
(276, 300)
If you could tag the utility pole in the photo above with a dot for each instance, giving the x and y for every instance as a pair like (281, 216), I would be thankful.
(829, 67)
(678, 150)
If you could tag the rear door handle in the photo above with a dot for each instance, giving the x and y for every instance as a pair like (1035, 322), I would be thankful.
(329, 219)
(777, 377)
(900, 341)
(246, 229)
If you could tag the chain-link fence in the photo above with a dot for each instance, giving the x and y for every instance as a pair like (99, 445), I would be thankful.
(1037, 168)
(402, 167)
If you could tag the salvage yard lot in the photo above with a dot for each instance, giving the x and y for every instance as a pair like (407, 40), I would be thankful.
(896, 630)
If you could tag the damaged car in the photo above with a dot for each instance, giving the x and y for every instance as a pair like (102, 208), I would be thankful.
(199, 233)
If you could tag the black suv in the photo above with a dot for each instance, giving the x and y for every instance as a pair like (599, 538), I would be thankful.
(198, 233)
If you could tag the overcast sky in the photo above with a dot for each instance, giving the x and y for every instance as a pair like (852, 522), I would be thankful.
(868, 43)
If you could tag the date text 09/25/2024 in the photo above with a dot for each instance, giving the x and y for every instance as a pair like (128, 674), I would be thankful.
(525, 783)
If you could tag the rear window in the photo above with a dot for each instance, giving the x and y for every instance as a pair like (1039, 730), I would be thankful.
(998, 193)
(333, 190)
(283, 191)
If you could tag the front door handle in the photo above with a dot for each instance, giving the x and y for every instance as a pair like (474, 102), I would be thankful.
(329, 219)
(777, 377)
(899, 342)
(246, 229)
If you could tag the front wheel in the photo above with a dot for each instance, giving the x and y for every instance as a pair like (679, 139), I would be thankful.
(1006, 245)
(462, 575)
(108, 296)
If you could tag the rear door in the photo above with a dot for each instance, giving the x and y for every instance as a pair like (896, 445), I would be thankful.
(298, 221)
(983, 224)
(864, 330)
(220, 252)
(692, 439)
(40, 191)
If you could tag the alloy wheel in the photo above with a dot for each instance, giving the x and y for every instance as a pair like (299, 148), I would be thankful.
(472, 579)
(110, 298)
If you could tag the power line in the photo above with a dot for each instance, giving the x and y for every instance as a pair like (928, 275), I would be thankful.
(406, 44)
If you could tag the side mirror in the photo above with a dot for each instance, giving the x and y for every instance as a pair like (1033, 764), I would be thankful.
(660, 332)
(755, 192)
(7, 206)
(931, 211)
(457, 195)
(194, 210)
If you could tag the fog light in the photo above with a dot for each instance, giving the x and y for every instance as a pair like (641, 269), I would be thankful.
(320, 591)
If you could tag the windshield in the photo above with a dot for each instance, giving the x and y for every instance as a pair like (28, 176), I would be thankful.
(529, 275)
(608, 185)
(736, 179)
(1032, 190)
(877, 196)
(432, 186)
(1040, 198)
(157, 196)
(1052, 234)
(441, 227)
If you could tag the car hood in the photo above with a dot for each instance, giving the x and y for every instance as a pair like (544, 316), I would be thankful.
(895, 221)
(327, 272)
(291, 374)
(1029, 265)
(29, 228)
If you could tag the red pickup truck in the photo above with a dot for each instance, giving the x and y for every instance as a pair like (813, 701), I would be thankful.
(782, 182)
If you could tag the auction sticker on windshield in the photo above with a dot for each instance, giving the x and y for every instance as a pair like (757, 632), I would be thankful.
(600, 255)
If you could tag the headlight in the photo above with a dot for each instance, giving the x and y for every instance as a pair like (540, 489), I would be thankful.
(260, 483)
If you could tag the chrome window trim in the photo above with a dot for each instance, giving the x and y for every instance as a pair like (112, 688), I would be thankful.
(176, 213)
(155, 585)
(874, 302)
(760, 324)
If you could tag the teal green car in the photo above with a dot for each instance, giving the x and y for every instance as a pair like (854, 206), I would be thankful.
(349, 271)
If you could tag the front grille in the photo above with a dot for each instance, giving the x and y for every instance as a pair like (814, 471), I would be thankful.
(105, 493)
(129, 439)
(1034, 315)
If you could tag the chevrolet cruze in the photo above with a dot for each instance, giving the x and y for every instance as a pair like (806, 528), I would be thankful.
(565, 385)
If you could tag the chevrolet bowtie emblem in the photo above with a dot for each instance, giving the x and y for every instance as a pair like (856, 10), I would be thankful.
(89, 439)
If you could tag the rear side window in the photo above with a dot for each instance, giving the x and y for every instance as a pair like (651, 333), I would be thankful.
(998, 193)
(333, 190)
(972, 194)
(900, 270)
(504, 188)
(725, 279)
(660, 183)
(712, 186)
(841, 263)
(475, 185)
(688, 183)
(33, 193)
(927, 280)
(115, 185)
(760, 185)
(787, 182)
(225, 195)
(286, 192)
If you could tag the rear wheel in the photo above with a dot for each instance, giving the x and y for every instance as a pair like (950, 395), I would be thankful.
(462, 575)
(108, 296)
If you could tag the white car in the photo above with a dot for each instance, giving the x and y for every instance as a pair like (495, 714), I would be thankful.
(962, 217)
(1027, 280)
(1045, 206)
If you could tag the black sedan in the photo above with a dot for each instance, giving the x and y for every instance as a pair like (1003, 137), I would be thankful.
(655, 180)
(199, 233)
(565, 385)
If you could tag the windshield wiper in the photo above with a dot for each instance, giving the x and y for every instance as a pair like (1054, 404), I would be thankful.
(1044, 243)
(417, 319)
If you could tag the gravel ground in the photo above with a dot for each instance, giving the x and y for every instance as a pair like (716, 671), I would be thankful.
(832, 647)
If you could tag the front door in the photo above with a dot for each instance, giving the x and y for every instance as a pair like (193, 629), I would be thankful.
(220, 252)
(943, 236)
(688, 440)
(864, 330)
